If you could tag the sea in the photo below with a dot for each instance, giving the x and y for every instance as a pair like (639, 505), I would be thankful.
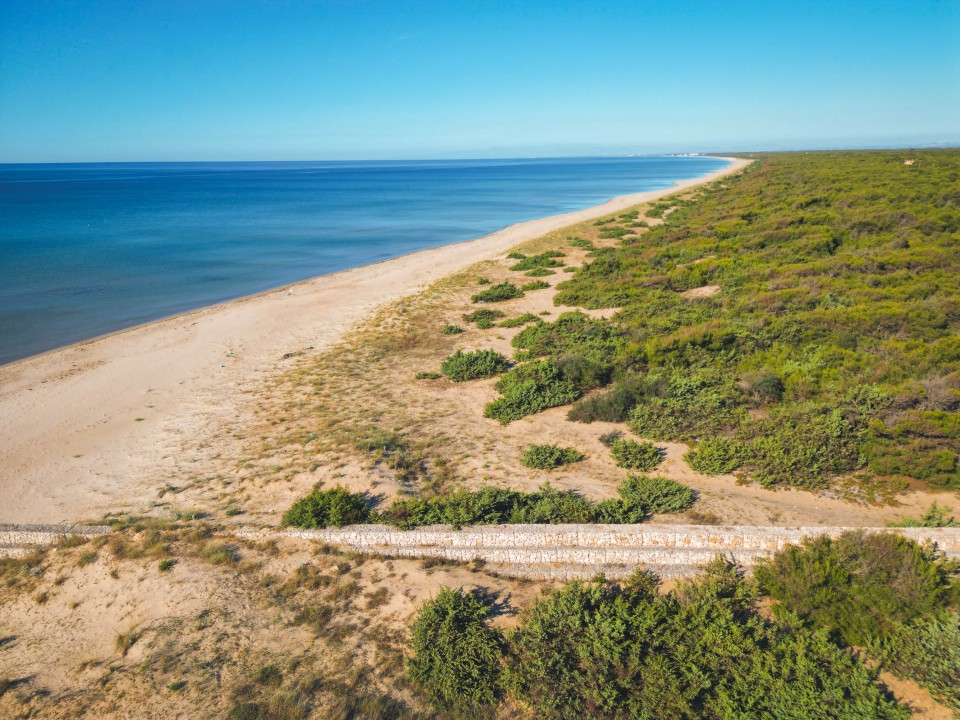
(88, 249)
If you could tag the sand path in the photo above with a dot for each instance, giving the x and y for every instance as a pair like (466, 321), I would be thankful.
(99, 425)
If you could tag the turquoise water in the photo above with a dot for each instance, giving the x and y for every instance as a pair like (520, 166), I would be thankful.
(87, 249)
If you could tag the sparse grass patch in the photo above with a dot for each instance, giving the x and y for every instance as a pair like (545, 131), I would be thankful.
(124, 641)
(427, 376)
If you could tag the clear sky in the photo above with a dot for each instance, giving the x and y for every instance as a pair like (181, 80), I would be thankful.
(231, 80)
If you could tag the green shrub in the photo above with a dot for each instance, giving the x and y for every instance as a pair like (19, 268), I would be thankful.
(581, 243)
(519, 320)
(528, 389)
(491, 506)
(498, 293)
(484, 318)
(548, 457)
(462, 366)
(451, 330)
(539, 272)
(514, 255)
(483, 281)
(427, 376)
(715, 456)
(538, 285)
(456, 655)
(858, 586)
(635, 455)
(335, 507)
(655, 494)
(543, 260)
(614, 232)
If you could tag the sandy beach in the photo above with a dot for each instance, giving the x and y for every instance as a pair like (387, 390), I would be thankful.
(97, 426)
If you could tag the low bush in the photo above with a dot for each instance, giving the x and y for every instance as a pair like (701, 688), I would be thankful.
(427, 376)
(528, 389)
(717, 455)
(537, 285)
(519, 320)
(451, 329)
(456, 655)
(613, 232)
(635, 455)
(498, 293)
(484, 318)
(491, 506)
(335, 507)
(514, 255)
(581, 243)
(548, 457)
(639, 497)
(462, 366)
(656, 494)
(543, 260)
(539, 272)
(858, 586)
(483, 281)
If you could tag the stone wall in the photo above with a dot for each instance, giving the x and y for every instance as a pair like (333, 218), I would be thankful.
(581, 551)
(15, 539)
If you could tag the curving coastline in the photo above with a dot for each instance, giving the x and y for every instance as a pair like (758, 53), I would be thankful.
(94, 426)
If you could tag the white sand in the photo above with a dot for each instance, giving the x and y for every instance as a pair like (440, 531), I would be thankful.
(72, 444)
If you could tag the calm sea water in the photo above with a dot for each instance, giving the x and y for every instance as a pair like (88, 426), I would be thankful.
(86, 249)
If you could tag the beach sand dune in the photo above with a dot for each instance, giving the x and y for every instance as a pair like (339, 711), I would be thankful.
(100, 425)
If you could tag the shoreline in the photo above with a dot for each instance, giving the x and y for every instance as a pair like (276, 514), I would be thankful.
(93, 425)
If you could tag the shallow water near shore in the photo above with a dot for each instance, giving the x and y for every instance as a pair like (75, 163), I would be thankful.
(88, 249)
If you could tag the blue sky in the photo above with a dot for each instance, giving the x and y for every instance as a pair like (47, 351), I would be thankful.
(210, 80)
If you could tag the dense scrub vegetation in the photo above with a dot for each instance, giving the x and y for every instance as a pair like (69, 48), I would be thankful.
(859, 587)
(881, 592)
(640, 497)
(599, 650)
(833, 345)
